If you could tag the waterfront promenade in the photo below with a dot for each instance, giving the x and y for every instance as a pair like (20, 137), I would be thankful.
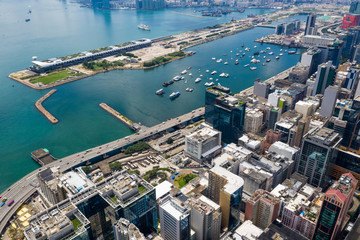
(25, 187)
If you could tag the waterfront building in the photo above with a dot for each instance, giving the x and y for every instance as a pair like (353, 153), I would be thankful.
(62, 221)
(225, 188)
(324, 77)
(262, 208)
(316, 153)
(261, 89)
(329, 101)
(253, 120)
(205, 218)
(225, 113)
(203, 144)
(124, 230)
(310, 28)
(150, 4)
(337, 200)
(175, 219)
(317, 41)
(311, 58)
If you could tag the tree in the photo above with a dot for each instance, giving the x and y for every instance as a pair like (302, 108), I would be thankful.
(169, 140)
(115, 166)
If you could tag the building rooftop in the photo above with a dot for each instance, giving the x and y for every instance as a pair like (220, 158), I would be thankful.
(265, 196)
(203, 134)
(123, 188)
(175, 208)
(248, 231)
(324, 136)
(163, 189)
(234, 182)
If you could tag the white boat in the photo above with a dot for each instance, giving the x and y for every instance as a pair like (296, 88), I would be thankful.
(253, 68)
(209, 84)
(271, 53)
(181, 78)
(201, 75)
(262, 51)
(268, 60)
(217, 80)
(263, 64)
(255, 46)
(237, 54)
(236, 62)
(247, 49)
(207, 70)
(190, 74)
(277, 57)
(226, 63)
(183, 72)
(219, 60)
(176, 78)
(280, 50)
(268, 48)
(213, 72)
(224, 75)
(253, 60)
(281, 54)
(211, 79)
(144, 27)
(189, 89)
(213, 58)
(197, 80)
(246, 65)
(264, 57)
(160, 92)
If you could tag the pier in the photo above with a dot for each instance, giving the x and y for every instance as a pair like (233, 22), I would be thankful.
(133, 126)
(42, 156)
(40, 107)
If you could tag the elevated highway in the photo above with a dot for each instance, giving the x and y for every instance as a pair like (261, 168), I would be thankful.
(25, 187)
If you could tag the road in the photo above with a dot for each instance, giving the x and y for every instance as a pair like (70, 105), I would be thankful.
(24, 188)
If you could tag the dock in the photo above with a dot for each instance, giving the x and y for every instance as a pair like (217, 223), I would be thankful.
(40, 107)
(42, 156)
(132, 125)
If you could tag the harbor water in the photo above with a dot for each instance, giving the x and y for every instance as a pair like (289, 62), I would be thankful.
(59, 27)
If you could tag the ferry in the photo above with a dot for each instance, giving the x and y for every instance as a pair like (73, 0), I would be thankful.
(209, 84)
(213, 72)
(174, 95)
(271, 53)
(236, 62)
(226, 63)
(183, 72)
(144, 27)
(197, 80)
(189, 89)
(224, 75)
(219, 60)
(160, 92)
(253, 68)
(246, 65)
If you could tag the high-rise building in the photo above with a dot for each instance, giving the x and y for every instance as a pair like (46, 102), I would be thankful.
(225, 188)
(351, 137)
(351, 78)
(262, 208)
(316, 152)
(124, 230)
(150, 4)
(253, 120)
(324, 77)
(329, 101)
(337, 200)
(175, 219)
(225, 113)
(205, 218)
(311, 58)
(274, 116)
(355, 7)
(203, 144)
(310, 28)
(261, 89)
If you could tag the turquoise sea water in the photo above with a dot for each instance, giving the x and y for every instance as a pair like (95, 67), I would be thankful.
(58, 28)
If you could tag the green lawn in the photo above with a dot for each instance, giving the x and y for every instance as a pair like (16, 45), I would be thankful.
(142, 189)
(76, 223)
(53, 77)
(182, 180)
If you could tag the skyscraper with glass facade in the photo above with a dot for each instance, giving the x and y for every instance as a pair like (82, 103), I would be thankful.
(316, 152)
(225, 113)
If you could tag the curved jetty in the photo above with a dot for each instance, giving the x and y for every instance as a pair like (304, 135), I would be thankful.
(40, 107)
